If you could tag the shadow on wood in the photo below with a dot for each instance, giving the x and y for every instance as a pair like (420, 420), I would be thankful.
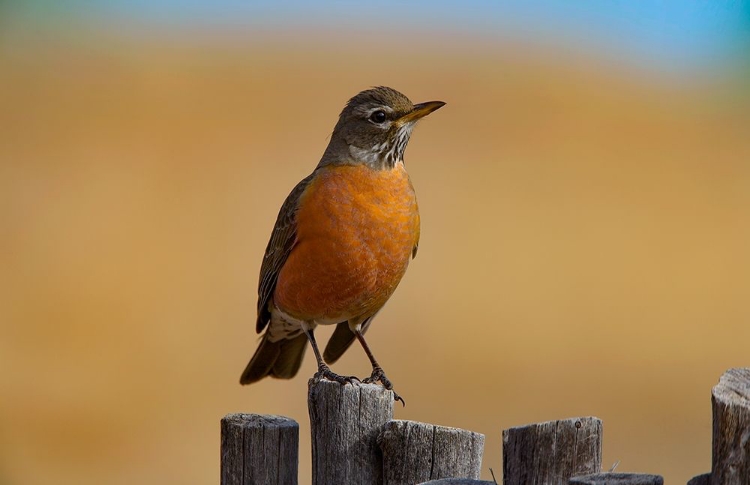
(415, 452)
(259, 449)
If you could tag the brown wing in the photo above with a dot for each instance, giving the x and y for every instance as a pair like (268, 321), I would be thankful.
(282, 241)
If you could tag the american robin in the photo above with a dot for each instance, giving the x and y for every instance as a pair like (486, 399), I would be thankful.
(342, 240)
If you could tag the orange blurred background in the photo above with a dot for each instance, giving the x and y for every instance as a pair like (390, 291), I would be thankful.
(584, 249)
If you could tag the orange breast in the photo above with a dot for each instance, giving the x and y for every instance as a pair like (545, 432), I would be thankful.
(356, 231)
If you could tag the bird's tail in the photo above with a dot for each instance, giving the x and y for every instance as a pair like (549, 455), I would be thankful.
(280, 359)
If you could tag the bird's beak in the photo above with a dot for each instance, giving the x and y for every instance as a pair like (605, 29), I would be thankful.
(421, 110)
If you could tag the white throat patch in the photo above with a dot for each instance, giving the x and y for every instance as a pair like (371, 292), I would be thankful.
(383, 153)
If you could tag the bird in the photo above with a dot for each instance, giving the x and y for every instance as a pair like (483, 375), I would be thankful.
(342, 241)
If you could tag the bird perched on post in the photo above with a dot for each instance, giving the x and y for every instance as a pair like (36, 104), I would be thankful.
(342, 240)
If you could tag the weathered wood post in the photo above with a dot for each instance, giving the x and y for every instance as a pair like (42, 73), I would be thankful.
(704, 479)
(551, 453)
(416, 452)
(730, 399)
(345, 421)
(618, 479)
(458, 481)
(259, 449)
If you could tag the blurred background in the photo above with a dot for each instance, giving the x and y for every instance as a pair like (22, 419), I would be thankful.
(585, 199)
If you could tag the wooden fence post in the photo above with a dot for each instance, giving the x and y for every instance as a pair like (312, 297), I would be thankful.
(551, 453)
(704, 479)
(458, 481)
(259, 449)
(345, 421)
(416, 452)
(730, 400)
(618, 479)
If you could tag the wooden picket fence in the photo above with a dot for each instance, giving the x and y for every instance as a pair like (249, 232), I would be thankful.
(355, 440)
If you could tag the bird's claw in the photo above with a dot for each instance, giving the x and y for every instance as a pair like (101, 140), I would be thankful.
(379, 376)
(325, 372)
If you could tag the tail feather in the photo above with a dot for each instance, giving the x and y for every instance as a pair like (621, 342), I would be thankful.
(280, 359)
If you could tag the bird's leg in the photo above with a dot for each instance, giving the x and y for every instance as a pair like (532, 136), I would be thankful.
(323, 370)
(377, 372)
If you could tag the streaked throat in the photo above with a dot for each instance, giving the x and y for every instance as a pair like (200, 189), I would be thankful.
(387, 154)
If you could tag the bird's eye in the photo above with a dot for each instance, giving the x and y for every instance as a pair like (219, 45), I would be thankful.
(378, 116)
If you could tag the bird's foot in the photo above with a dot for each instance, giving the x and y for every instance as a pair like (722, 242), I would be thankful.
(379, 376)
(325, 372)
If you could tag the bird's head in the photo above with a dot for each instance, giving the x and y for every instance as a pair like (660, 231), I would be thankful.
(374, 128)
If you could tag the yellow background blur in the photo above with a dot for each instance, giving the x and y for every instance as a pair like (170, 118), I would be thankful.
(584, 245)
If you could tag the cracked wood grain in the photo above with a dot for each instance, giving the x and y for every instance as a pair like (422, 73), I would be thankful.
(416, 452)
(551, 453)
(345, 421)
(259, 449)
(730, 400)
